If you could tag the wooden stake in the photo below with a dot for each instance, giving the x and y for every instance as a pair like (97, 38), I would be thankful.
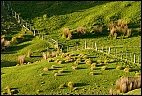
(102, 49)
(92, 45)
(15, 15)
(109, 50)
(138, 59)
(85, 44)
(134, 58)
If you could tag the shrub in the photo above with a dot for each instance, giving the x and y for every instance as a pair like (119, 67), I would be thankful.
(48, 55)
(99, 61)
(60, 62)
(53, 66)
(70, 85)
(56, 74)
(62, 86)
(14, 40)
(7, 43)
(21, 59)
(91, 73)
(85, 57)
(67, 33)
(127, 69)
(104, 68)
(53, 54)
(63, 55)
(88, 61)
(118, 67)
(45, 69)
(44, 56)
(125, 84)
(97, 28)
(137, 74)
(81, 30)
(29, 53)
(92, 68)
(50, 60)
(57, 60)
(61, 71)
(74, 67)
(76, 62)
(105, 61)
(8, 90)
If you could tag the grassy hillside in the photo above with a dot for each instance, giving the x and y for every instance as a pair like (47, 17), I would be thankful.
(50, 18)
(73, 14)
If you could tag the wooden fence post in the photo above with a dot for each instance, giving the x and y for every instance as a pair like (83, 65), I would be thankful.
(26, 24)
(109, 50)
(15, 15)
(122, 56)
(116, 52)
(18, 19)
(96, 47)
(134, 58)
(3, 3)
(77, 46)
(102, 49)
(67, 48)
(138, 59)
(85, 44)
(92, 45)
(126, 55)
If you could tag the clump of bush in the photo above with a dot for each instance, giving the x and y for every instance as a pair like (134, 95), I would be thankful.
(127, 69)
(67, 33)
(125, 84)
(93, 66)
(62, 86)
(61, 62)
(61, 71)
(118, 67)
(29, 53)
(21, 59)
(103, 67)
(45, 69)
(81, 30)
(99, 61)
(91, 73)
(88, 61)
(70, 85)
(74, 67)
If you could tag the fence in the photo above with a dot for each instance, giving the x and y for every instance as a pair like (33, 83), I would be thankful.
(112, 51)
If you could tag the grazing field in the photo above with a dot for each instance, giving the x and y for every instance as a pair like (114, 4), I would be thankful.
(57, 65)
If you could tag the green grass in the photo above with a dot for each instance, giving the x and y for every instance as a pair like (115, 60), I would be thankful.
(29, 79)
(85, 15)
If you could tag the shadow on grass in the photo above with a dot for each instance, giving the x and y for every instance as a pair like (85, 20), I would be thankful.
(97, 73)
(52, 69)
(15, 48)
(80, 84)
(15, 90)
(35, 56)
(65, 71)
(55, 7)
(8, 64)
(110, 68)
(133, 70)
(80, 68)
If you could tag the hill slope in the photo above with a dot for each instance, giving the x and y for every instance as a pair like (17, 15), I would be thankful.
(50, 17)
